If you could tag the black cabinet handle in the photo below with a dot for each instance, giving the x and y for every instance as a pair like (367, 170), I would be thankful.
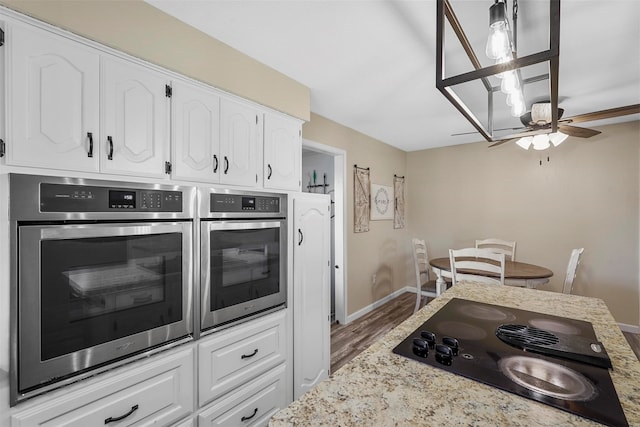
(301, 237)
(110, 155)
(215, 159)
(270, 171)
(226, 165)
(90, 136)
(134, 408)
(246, 356)
(255, 411)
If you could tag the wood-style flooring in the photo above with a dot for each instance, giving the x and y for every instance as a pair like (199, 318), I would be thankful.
(347, 341)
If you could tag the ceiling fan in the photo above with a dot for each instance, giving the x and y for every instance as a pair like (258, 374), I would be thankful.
(537, 121)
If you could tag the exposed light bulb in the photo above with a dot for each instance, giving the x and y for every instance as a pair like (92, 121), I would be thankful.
(556, 138)
(541, 142)
(504, 60)
(498, 44)
(509, 82)
(525, 142)
(518, 108)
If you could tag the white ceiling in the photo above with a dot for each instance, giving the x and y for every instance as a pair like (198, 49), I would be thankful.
(370, 65)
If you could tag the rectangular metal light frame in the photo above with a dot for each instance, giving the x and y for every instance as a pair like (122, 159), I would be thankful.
(445, 11)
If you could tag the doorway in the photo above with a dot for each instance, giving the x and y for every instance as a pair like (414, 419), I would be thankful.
(324, 172)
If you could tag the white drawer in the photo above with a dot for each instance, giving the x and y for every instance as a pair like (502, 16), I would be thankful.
(158, 393)
(230, 358)
(251, 405)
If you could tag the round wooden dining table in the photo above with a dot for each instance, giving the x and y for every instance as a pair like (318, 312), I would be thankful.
(516, 273)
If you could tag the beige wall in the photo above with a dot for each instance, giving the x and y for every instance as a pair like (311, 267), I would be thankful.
(382, 250)
(586, 195)
(135, 27)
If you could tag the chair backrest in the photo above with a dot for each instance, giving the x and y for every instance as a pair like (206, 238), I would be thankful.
(477, 265)
(421, 261)
(572, 270)
(508, 248)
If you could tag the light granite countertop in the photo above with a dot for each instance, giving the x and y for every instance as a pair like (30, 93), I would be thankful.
(380, 388)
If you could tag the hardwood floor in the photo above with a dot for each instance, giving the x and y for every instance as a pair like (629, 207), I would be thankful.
(347, 341)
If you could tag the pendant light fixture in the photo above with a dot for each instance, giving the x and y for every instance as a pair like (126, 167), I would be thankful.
(511, 70)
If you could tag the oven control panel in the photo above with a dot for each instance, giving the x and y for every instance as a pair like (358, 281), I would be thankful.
(222, 203)
(81, 198)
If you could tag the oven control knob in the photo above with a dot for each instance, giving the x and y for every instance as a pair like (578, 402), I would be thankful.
(444, 354)
(429, 337)
(420, 347)
(452, 343)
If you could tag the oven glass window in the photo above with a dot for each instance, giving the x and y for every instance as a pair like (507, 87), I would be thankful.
(95, 290)
(245, 265)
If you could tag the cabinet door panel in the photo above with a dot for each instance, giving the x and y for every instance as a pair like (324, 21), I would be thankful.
(282, 153)
(311, 298)
(53, 101)
(251, 405)
(135, 119)
(239, 133)
(231, 358)
(196, 133)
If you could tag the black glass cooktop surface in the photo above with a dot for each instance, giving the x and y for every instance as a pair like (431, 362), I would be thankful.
(461, 338)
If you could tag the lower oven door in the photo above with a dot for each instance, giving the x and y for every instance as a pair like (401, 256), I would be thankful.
(94, 293)
(243, 269)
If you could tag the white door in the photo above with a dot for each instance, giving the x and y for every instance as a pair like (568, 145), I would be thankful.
(311, 293)
(282, 153)
(53, 103)
(196, 133)
(135, 119)
(239, 136)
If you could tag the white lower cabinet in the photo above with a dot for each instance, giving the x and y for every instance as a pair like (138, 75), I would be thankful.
(157, 393)
(251, 405)
(231, 358)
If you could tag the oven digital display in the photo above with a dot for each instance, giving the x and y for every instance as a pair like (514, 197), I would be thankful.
(248, 203)
(122, 199)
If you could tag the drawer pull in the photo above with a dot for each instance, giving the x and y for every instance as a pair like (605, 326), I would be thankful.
(134, 408)
(246, 356)
(255, 411)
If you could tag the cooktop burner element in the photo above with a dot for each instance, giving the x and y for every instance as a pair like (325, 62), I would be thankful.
(464, 338)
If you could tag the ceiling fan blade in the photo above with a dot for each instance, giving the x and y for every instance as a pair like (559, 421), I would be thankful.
(578, 132)
(495, 130)
(502, 141)
(604, 114)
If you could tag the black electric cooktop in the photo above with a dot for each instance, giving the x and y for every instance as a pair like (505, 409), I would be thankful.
(550, 359)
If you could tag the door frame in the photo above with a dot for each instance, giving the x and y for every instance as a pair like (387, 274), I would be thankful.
(340, 242)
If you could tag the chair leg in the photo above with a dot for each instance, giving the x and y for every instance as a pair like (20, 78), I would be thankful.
(418, 301)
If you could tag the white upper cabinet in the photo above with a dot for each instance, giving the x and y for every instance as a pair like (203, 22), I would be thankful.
(53, 101)
(196, 133)
(135, 111)
(282, 152)
(240, 136)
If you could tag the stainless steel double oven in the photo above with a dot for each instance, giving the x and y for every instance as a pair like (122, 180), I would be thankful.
(243, 255)
(100, 271)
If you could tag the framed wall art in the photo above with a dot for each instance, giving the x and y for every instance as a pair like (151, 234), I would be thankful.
(398, 191)
(381, 202)
(361, 190)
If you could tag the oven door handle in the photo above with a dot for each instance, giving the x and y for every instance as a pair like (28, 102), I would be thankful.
(301, 237)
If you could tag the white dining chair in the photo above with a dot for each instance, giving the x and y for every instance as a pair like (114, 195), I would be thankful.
(425, 286)
(477, 260)
(572, 270)
(508, 248)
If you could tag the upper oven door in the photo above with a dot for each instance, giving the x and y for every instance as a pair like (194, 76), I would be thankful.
(91, 293)
(243, 269)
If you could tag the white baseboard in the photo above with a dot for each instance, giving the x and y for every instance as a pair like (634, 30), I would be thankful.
(634, 329)
(376, 304)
